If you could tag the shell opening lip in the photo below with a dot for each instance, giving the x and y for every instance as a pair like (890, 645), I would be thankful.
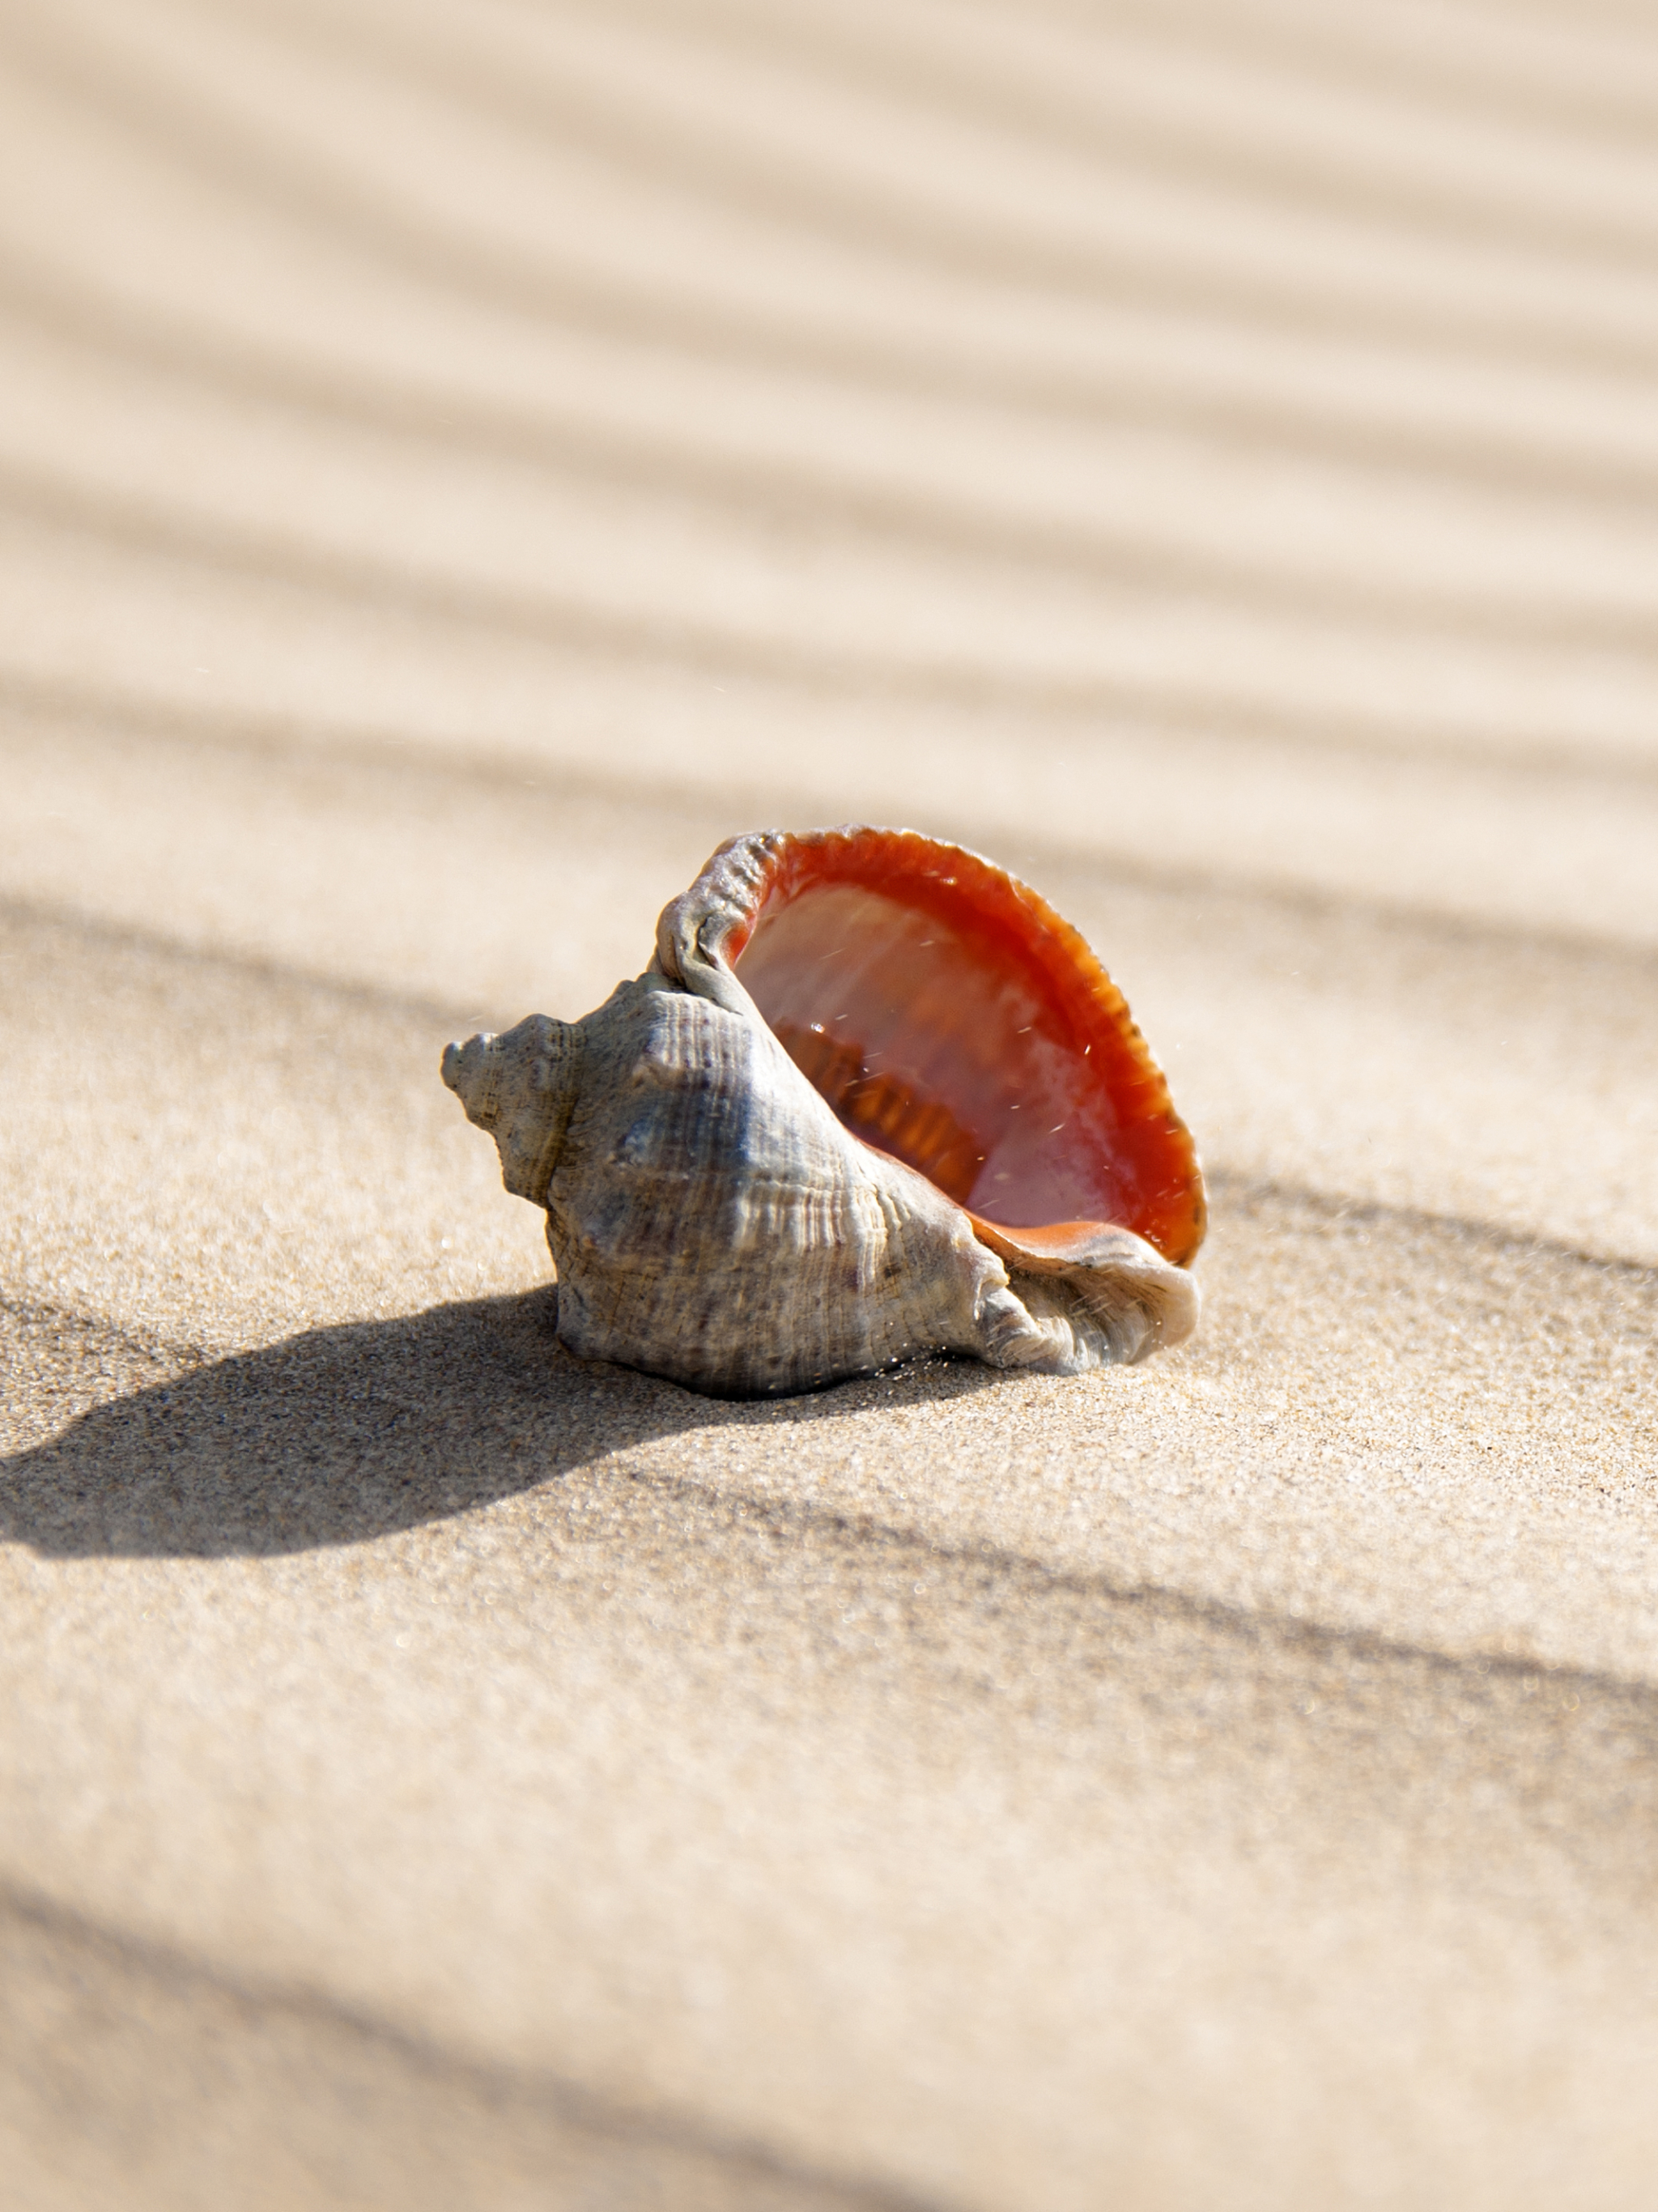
(961, 1026)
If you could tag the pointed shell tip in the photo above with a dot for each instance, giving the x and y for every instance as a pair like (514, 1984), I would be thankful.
(472, 1073)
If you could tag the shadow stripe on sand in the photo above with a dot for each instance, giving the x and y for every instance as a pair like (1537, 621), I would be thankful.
(1470, 61)
(176, 125)
(277, 556)
(678, 148)
(1037, 106)
(1163, 711)
(143, 2036)
(1300, 425)
(1159, 707)
(1315, 51)
(359, 1431)
(729, 805)
(453, 420)
(253, 967)
(834, 501)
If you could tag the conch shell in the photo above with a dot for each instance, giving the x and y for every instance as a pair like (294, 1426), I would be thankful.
(871, 1098)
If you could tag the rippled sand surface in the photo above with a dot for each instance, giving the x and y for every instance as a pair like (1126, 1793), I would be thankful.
(459, 463)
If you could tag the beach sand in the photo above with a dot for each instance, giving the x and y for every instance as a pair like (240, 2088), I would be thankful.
(456, 465)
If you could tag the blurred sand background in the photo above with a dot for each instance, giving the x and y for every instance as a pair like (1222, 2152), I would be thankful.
(459, 463)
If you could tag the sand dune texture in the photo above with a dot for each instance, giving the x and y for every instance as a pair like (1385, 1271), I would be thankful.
(459, 463)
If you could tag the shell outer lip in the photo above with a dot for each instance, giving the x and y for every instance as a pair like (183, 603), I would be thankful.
(1106, 1267)
(701, 935)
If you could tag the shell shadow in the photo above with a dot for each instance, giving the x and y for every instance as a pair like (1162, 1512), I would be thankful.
(343, 1434)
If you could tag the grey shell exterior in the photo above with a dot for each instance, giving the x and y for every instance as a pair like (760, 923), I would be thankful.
(711, 1221)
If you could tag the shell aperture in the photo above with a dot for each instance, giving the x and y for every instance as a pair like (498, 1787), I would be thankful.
(952, 1018)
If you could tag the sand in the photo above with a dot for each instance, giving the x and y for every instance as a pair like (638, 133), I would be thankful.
(458, 464)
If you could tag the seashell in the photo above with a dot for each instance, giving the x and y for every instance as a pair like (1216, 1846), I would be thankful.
(871, 1098)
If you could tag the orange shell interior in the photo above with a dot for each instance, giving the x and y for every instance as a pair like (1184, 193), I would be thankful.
(952, 1019)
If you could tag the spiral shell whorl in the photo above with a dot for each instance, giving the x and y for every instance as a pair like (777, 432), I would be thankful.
(710, 1219)
(521, 1087)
